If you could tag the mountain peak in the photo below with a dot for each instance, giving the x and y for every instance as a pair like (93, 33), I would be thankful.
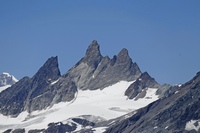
(147, 80)
(49, 70)
(123, 52)
(145, 76)
(93, 55)
(123, 56)
(93, 49)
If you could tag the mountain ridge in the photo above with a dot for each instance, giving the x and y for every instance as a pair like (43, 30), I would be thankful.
(95, 83)
(92, 72)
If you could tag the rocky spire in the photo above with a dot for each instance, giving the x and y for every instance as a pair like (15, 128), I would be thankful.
(93, 55)
(123, 56)
(49, 71)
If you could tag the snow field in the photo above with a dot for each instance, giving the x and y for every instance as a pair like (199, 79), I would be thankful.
(4, 87)
(190, 125)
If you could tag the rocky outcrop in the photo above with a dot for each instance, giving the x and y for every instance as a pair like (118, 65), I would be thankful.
(60, 128)
(143, 82)
(169, 114)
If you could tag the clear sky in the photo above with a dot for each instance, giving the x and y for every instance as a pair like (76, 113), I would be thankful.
(163, 37)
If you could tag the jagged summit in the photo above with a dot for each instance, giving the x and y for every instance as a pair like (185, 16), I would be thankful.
(95, 71)
(93, 55)
(50, 70)
(123, 56)
(93, 49)
(48, 87)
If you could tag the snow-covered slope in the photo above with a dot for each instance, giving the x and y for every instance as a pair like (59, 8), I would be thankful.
(4, 87)
(106, 104)
(8, 75)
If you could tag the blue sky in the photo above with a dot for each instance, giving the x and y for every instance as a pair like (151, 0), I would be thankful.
(163, 37)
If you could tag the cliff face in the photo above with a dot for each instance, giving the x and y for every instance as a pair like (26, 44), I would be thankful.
(21, 96)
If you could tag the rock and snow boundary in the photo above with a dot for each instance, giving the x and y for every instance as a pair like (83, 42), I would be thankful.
(107, 103)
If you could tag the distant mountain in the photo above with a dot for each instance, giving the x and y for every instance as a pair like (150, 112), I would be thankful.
(7, 79)
(98, 94)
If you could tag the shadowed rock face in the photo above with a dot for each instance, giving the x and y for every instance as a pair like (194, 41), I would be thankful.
(169, 114)
(144, 81)
(13, 98)
(43, 93)
(32, 93)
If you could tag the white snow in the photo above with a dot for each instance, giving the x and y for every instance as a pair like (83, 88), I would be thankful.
(54, 82)
(179, 85)
(99, 129)
(190, 125)
(108, 103)
(7, 74)
(14, 79)
(4, 87)
(176, 92)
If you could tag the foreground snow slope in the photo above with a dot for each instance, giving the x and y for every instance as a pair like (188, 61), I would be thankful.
(107, 103)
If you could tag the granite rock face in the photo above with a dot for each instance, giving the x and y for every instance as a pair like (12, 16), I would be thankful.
(94, 71)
